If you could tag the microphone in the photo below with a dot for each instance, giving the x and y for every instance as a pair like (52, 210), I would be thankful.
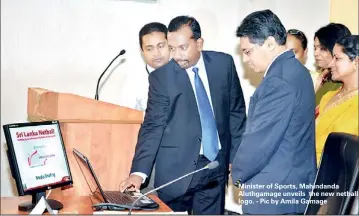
(212, 165)
(98, 81)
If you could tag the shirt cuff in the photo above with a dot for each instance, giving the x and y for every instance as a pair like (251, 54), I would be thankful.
(237, 183)
(142, 175)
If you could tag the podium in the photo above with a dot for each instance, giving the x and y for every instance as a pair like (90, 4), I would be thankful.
(104, 132)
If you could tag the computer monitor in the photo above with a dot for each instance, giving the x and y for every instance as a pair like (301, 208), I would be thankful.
(37, 159)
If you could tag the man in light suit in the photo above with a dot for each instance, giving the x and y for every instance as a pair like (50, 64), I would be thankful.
(195, 115)
(155, 53)
(277, 148)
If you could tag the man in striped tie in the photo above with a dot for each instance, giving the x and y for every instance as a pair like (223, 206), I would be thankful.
(195, 115)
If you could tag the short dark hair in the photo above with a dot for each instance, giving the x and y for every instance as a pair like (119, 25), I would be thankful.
(350, 44)
(329, 34)
(152, 27)
(259, 25)
(300, 36)
(180, 21)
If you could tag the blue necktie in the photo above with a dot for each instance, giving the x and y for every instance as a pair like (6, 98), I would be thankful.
(208, 123)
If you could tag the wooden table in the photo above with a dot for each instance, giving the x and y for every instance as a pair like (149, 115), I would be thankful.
(72, 204)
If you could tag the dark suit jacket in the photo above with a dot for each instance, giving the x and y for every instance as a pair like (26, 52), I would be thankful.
(171, 132)
(278, 144)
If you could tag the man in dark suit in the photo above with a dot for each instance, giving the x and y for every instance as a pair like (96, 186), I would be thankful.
(277, 152)
(195, 114)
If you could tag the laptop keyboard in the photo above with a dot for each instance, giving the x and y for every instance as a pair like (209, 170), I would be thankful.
(119, 198)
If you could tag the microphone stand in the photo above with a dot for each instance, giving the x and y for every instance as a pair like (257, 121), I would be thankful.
(98, 81)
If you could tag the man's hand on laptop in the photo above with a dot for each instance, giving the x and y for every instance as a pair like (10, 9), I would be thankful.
(132, 183)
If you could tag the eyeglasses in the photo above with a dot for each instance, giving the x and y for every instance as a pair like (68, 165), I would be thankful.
(295, 32)
(248, 52)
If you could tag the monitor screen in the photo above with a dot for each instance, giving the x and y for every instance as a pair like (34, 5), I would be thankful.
(37, 155)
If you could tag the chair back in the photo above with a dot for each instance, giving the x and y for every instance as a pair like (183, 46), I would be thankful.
(336, 182)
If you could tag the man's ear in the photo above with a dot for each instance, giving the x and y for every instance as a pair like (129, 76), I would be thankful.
(199, 44)
(270, 43)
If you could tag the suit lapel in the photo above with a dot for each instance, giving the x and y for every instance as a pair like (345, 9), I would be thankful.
(184, 87)
(213, 83)
(183, 82)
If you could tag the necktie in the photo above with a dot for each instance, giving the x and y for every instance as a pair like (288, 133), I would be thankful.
(208, 123)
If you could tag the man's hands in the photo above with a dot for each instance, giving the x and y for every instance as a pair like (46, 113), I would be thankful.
(132, 183)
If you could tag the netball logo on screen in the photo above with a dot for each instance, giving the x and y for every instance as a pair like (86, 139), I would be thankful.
(37, 158)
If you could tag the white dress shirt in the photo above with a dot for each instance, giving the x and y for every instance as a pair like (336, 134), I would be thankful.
(135, 90)
(203, 75)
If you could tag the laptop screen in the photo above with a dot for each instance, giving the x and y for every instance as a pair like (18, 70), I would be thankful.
(96, 190)
(88, 174)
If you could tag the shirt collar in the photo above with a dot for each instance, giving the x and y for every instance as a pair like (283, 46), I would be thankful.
(149, 69)
(199, 65)
(270, 64)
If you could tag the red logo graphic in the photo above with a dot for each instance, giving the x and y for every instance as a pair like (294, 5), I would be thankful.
(29, 158)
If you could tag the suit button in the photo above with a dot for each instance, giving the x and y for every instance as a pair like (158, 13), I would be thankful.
(199, 139)
(194, 162)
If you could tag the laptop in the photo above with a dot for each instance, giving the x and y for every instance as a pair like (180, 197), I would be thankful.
(111, 200)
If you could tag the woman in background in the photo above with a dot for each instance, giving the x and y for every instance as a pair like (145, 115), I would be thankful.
(338, 110)
(297, 41)
(324, 40)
